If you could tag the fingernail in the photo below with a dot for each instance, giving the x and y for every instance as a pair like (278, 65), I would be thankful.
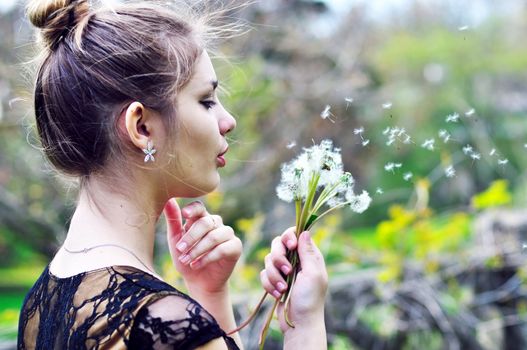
(195, 264)
(281, 286)
(290, 244)
(285, 269)
(181, 246)
(276, 294)
(184, 258)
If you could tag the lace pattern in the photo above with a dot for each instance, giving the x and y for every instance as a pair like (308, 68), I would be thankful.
(117, 307)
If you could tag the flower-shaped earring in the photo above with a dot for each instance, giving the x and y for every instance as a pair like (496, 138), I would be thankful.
(149, 151)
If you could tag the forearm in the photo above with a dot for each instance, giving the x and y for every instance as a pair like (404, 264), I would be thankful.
(308, 335)
(219, 305)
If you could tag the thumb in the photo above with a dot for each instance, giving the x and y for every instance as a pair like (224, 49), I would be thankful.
(307, 251)
(174, 220)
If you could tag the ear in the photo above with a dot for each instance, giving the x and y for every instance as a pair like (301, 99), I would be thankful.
(139, 123)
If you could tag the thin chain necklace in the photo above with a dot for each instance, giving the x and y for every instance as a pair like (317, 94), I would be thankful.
(86, 250)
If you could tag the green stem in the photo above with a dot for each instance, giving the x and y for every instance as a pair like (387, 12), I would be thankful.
(327, 212)
(263, 333)
(306, 211)
(251, 317)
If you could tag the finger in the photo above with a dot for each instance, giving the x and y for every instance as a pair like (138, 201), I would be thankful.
(173, 220)
(274, 275)
(192, 212)
(310, 256)
(194, 234)
(207, 243)
(268, 286)
(230, 250)
(289, 238)
(279, 260)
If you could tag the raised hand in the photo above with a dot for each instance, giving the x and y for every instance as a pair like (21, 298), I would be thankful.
(308, 294)
(203, 250)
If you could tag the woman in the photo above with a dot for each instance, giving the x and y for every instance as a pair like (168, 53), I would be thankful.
(125, 102)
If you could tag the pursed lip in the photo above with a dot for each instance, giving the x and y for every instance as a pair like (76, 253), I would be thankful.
(225, 151)
(220, 158)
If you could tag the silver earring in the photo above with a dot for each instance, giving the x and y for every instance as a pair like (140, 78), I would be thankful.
(149, 151)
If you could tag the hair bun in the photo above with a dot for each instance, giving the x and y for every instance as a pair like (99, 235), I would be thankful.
(56, 17)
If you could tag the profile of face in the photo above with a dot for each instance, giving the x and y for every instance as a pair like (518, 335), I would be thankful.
(200, 143)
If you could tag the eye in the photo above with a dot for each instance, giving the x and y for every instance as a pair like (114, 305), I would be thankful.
(208, 104)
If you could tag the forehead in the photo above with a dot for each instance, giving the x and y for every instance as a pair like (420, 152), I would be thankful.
(203, 73)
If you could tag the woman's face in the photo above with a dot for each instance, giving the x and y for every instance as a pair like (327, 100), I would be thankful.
(200, 143)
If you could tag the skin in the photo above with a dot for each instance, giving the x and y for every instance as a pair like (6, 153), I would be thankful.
(203, 249)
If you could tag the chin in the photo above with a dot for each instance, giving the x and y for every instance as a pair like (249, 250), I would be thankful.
(203, 189)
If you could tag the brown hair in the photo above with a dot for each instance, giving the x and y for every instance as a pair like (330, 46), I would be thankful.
(95, 62)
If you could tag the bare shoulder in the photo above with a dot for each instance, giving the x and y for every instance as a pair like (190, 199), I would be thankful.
(215, 344)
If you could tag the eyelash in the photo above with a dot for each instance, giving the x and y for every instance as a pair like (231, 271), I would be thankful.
(208, 104)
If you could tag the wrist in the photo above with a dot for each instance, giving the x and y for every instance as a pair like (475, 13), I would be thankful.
(219, 292)
(310, 331)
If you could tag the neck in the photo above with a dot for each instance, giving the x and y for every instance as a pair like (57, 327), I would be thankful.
(118, 220)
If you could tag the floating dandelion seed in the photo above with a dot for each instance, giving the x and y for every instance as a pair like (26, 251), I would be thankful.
(13, 101)
(365, 142)
(503, 161)
(450, 171)
(524, 246)
(429, 144)
(462, 28)
(387, 105)
(468, 150)
(358, 131)
(392, 166)
(492, 152)
(408, 176)
(388, 129)
(326, 114)
(475, 156)
(444, 135)
(349, 100)
(525, 145)
(291, 144)
(407, 140)
(379, 190)
(390, 142)
(470, 112)
(452, 118)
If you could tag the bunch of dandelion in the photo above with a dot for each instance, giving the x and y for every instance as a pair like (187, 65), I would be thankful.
(313, 180)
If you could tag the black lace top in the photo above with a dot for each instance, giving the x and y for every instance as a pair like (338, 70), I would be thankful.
(118, 307)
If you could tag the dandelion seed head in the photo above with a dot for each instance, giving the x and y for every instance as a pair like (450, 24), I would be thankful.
(359, 203)
(452, 118)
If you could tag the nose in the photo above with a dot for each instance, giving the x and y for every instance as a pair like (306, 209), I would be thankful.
(226, 122)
